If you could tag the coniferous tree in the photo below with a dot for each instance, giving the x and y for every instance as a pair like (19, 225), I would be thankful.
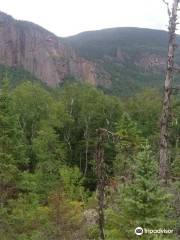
(142, 202)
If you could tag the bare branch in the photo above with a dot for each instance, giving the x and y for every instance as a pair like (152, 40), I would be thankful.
(177, 88)
(176, 69)
(168, 8)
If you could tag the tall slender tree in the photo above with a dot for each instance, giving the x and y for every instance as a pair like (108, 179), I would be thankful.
(165, 116)
(100, 180)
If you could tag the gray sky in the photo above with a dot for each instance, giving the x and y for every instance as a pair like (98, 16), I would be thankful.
(68, 17)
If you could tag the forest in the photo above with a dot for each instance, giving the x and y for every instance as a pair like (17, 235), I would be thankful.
(48, 163)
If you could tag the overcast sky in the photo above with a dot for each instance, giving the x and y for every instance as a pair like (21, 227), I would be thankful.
(68, 17)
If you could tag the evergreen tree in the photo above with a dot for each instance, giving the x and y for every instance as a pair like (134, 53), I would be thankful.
(141, 202)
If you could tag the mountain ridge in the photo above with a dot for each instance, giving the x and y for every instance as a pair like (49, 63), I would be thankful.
(119, 60)
(134, 57)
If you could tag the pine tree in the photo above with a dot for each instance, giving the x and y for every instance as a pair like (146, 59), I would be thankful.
(141, 203)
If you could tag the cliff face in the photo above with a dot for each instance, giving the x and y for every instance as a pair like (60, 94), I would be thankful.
(119, 60)
(24, 44)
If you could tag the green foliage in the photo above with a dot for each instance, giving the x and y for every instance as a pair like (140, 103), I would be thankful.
(47, 146)
(144, 108)
(32, 104)
(141, 202)
(72, 183)
(127, 147)
(16, 75)
(11, 153)
(175, 138)
(10, 134)
(89, 109)
(144, 197)
(129, 56)
(27, 217)
(48, 143)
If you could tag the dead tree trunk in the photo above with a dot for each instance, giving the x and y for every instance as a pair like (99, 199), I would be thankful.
(165, 115)
(101, 181)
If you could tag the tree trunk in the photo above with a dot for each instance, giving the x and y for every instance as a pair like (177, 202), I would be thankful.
(100, 181)
(165, 116)
(86, 136)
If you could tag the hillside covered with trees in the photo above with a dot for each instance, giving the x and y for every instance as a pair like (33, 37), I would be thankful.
(134, 58)
(89, 142)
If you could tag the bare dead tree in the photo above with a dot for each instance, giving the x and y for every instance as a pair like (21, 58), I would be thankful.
(101, 179)
(165, 115)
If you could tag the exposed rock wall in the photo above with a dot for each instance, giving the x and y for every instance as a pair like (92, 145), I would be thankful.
(40, 52)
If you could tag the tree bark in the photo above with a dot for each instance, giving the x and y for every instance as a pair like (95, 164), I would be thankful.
(165, 116)
(100, 168)
(86, 136)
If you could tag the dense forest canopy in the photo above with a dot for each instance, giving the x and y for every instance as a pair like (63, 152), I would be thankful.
(48, 179)
(89, 139)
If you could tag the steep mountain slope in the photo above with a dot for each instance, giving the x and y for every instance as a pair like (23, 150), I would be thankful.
(134, 57)
(26, 45)
(121, 61)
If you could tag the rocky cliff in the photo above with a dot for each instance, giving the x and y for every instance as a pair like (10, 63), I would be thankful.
(26, 45)
(120, 60)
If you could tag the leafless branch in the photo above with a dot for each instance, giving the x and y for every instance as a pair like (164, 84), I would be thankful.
(176, 69)
(168, 8)
(177, 88)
